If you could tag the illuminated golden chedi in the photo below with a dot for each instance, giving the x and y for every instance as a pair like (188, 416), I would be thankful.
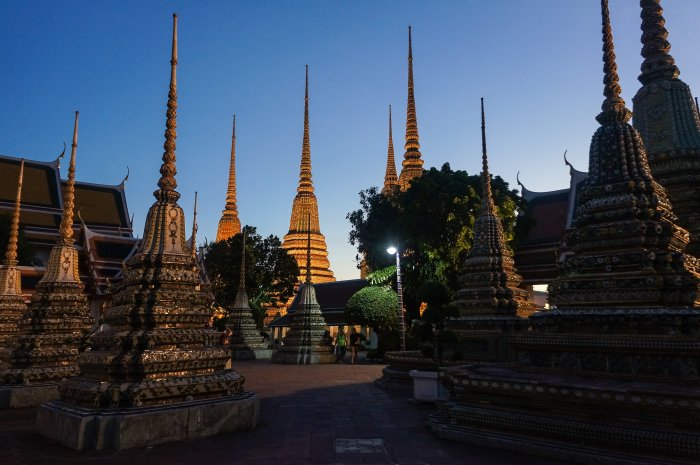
(412, 165)
(12, 305)
(229, 224)
(305, 214)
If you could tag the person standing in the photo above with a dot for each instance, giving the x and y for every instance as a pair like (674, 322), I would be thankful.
(354, 343)
(341, 346)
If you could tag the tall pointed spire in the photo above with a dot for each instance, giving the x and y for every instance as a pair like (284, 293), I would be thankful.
(486, 197)
(658, 63)
(167, 182)
(11, 252)
(241, 284)
(391, 180)
(613, 108)
(229, 224)
(412, 165)
(305, 213)
(193, 244)
(305, 183)
(66, 229)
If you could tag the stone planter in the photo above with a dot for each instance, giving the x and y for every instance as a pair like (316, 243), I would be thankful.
(425, 385)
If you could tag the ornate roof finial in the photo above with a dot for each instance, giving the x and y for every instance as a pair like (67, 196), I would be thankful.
(194, 228)
(167, 182)
(305, 184)
(66, 229)
(241, 284)
(231, 190)
(308, 250)
(391, 180)
(517, 180)
(658, 63)
(412, 165)
(613, 106)
(11, 253)
(486, 198)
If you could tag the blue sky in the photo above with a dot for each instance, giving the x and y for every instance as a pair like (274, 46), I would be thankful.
(537, 64)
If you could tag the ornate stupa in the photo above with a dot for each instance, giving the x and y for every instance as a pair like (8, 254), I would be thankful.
(229, 224)
(391, 180)
(12, 304)
(667, 120)
(611, 375)
(412, 165)
(305, 205)
(52, 330)
(489, 301)
(628, 248)
(246, 341)
(305, 342)
(154, 360)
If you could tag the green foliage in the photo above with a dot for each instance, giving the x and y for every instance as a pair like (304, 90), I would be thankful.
(431, 223)
(381, 277)
(374, 306)
(271, 273)
(24, 250)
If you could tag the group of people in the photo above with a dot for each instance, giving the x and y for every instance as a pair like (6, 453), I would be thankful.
(342, 343)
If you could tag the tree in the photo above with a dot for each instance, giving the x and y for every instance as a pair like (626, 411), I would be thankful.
(376, 307)
(271, 273)
(431, 223)
(438, 297)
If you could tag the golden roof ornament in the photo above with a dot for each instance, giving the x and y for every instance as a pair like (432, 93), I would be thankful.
(167, 182)
(391, 180)
(229, 224)
(412, 165)
(305, 212)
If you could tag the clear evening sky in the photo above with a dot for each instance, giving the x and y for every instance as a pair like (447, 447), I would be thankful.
(537, 63)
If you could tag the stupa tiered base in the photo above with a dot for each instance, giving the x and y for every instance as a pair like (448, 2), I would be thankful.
(581, 419)
(84, 428)
(395, 376)
(296, 357)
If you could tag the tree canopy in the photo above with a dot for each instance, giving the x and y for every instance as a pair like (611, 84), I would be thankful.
(374, 306)
(431, 223)
(271, 273)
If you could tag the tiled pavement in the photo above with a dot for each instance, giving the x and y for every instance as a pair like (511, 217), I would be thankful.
(319, 414)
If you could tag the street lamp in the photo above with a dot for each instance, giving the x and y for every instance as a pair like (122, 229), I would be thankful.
(394, 251)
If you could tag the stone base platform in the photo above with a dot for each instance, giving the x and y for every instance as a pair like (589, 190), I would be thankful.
(98, 429)
(585, 419)
(292, 358)
(395, 375)
(27, 395)
(252, 354)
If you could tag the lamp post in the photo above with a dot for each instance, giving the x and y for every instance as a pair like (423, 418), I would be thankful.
(399, 290)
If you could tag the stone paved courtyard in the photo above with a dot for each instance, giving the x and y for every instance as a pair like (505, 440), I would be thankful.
(319, 414)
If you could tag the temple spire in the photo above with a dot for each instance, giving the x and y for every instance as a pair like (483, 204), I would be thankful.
(305, 184)
(613, 108)
(194, 228)
(241, 284)
(167, 182)
(658, 63)
(229, 224)
(11, 253)
(308, 250)
(391, 180)
(412, 165)
(486, 197)
(66, 229)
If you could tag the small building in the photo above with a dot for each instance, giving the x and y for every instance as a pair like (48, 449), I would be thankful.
(333, 298)
(103, 230)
